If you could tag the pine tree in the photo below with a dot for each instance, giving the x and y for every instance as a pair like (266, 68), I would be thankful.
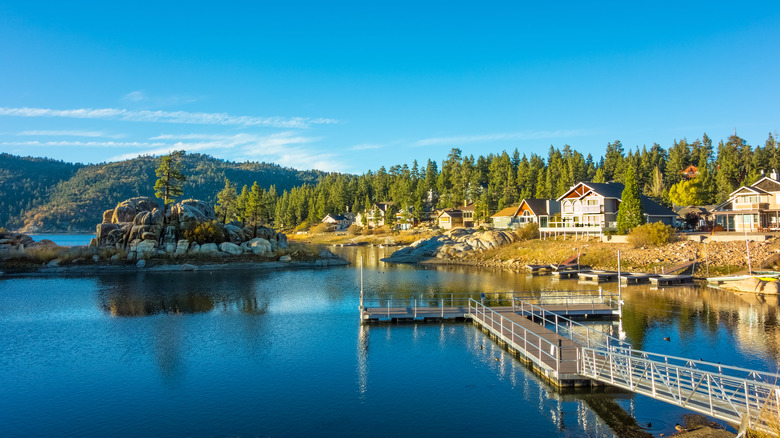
(630, 213)
(170, 178)
(226, 202)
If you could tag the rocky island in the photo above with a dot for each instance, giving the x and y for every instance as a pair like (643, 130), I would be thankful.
(137, 234)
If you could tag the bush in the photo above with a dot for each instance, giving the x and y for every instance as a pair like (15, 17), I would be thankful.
(652, 234)
(528, 231)
(205, 232)
(354, 229)
(322, 228)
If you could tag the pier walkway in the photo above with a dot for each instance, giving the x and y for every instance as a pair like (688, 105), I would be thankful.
(542, 331)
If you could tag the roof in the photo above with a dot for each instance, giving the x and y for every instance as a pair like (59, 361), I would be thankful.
(537, 206)
(507, 212)
(653, 208)
(748, 188)
(768, 184)
(451, 212)
(607, 190)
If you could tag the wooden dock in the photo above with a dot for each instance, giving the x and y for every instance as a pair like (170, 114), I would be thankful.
(566, 273)
(671, 280)
(636, 278)
(551, 355)
(598, 276)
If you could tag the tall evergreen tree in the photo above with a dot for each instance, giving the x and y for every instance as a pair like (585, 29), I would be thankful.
(170, 178)
(630, 212)
(226, 202)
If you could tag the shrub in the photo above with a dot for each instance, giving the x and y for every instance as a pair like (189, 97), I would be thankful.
(205, 232)
(354, 229)
(303, 226)
(652, 234)
(368, 231)
(528, 231)
(321, 228)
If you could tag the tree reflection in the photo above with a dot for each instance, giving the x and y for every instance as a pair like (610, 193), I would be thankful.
(146, 294)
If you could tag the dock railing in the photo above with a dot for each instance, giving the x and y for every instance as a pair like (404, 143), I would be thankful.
(577, 332)
(535, 347)
(436, 300)
(728, 393)
(571, 298)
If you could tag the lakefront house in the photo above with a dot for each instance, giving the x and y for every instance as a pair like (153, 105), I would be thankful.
(450, 218)
(375, 216)
(751, 208)
(592, 208)
(529, 211)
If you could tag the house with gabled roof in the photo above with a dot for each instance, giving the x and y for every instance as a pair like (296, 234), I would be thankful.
(375, 216)
(450, 218)
(690, 172)
(529, 211)
(589, 207)
(751, 208)
(339, 221)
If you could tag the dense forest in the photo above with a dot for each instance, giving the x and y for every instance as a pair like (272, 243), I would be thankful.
(55, 196)
(500, 180)
(48, 195)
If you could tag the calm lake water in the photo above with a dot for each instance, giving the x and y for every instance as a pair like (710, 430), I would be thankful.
(283, 354)
(65, 239)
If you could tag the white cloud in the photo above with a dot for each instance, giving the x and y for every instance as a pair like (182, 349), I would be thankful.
(527, 135)
(365, 147)
(69, 134)
(134, 96)
(182, 117)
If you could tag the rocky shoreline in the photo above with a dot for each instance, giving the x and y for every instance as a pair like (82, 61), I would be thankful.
(511, 251)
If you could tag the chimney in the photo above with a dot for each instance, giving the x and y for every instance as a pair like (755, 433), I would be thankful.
(773, 175)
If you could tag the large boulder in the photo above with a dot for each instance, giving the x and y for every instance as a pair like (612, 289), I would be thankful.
(127, 210)
(231, 248)
(153, 217)
(192, 210)
(260, 246)
(209, 249)
(181, 247)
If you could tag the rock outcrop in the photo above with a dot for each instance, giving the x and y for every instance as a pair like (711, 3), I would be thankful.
(453, 245)
(139, 226)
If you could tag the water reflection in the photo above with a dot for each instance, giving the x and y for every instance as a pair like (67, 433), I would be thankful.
(148, 294)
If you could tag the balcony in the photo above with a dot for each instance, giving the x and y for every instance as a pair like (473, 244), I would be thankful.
(750, 205)
(591, 209)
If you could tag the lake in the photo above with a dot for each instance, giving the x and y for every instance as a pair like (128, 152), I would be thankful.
(65, 239)
(282, 353)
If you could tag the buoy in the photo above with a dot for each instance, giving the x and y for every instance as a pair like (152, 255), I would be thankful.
(667, 339)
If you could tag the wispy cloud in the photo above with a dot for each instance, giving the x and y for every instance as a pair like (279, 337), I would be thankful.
(138, 96)
(526, 135)
(365, 147)
(182, 117)
(286, 148)
(134, 96)
(91, 144)
(69, 134)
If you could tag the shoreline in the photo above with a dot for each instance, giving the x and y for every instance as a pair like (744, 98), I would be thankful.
(183, 267)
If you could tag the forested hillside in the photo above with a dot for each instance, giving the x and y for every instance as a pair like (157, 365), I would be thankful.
(25, 184)
(61, 196)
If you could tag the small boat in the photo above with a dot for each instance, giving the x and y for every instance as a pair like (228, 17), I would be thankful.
(761, 275)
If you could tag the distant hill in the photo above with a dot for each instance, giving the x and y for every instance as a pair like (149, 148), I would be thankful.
(42, 195)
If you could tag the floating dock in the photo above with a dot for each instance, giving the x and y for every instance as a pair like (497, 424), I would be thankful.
(671, 280)
(598, 276)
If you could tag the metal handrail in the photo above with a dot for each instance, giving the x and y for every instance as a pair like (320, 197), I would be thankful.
(713, 393)
(587, 339)
(572, 297)
(511, 329)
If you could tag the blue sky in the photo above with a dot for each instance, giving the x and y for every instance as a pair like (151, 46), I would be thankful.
(351, 86)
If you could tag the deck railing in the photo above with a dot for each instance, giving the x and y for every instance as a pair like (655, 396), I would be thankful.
(535, 347)
(577, 332)
(728, 393)
(570, 297)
